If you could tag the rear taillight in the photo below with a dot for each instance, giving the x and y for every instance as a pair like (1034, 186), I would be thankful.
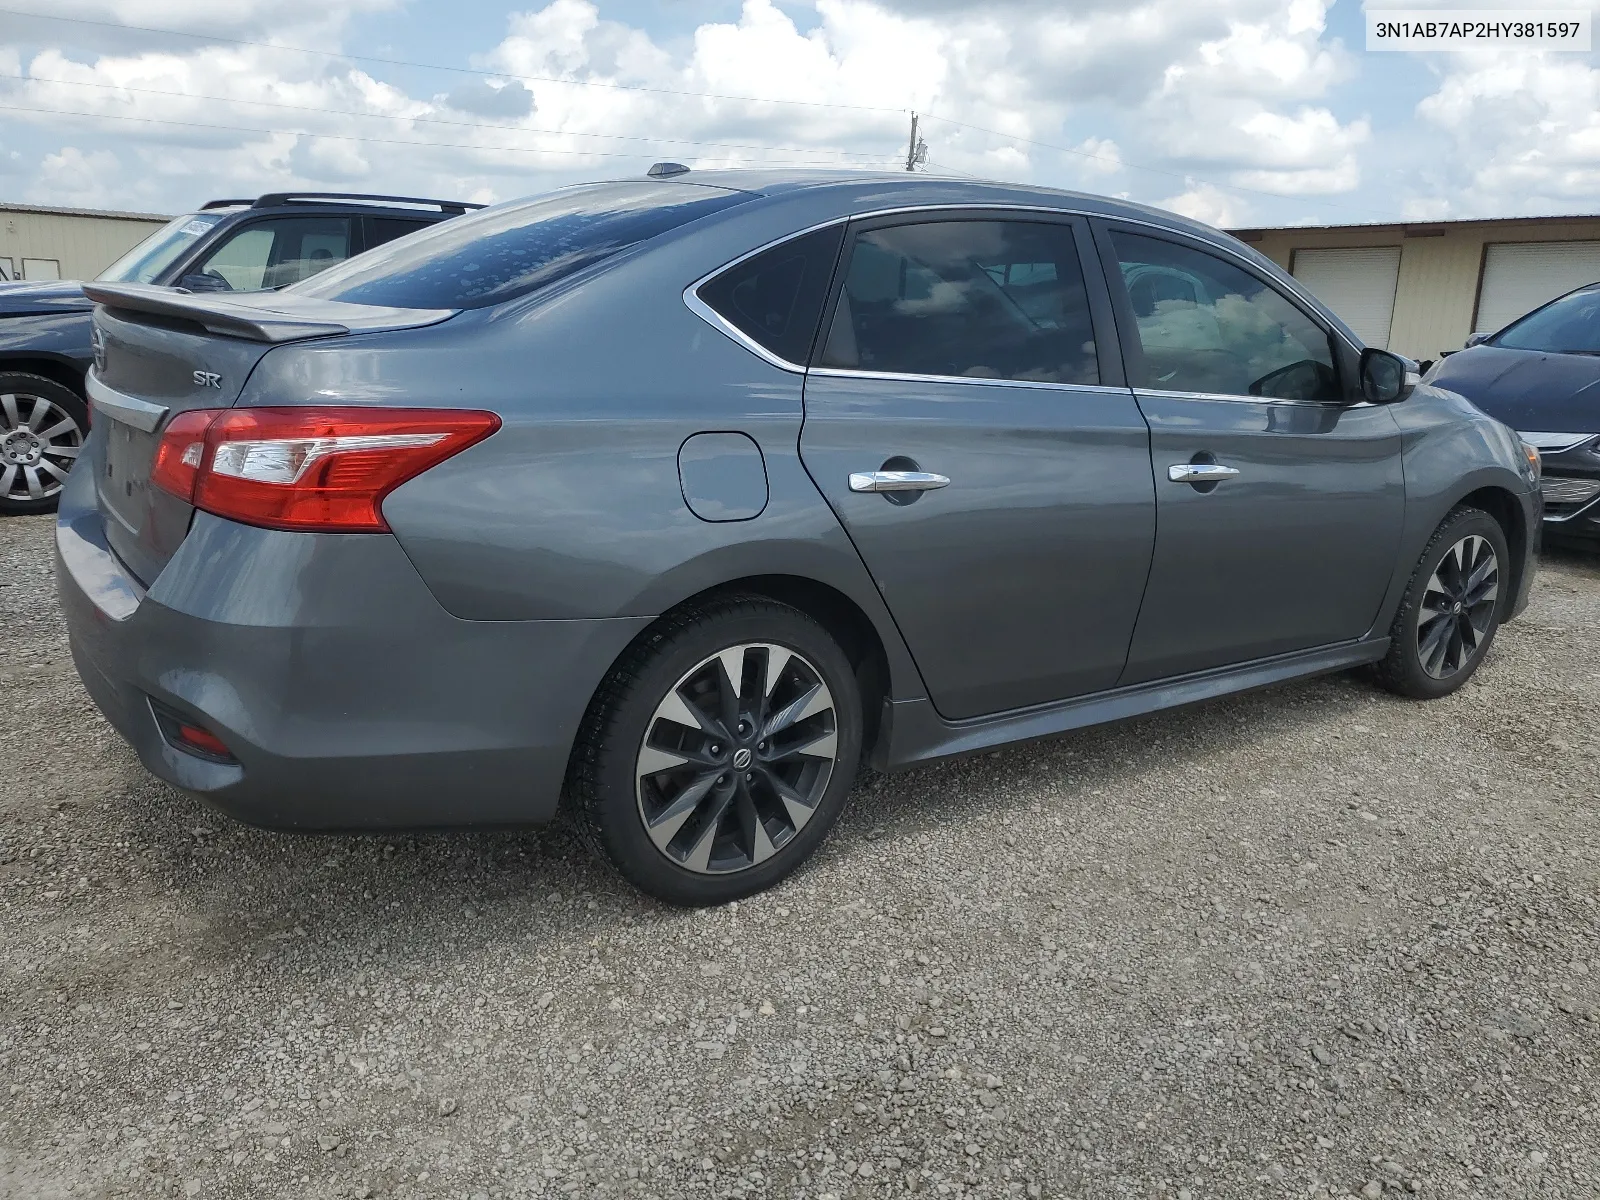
(314, 468)
(183, 445)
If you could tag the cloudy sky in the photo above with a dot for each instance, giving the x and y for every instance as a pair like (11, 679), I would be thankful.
(1236, 111)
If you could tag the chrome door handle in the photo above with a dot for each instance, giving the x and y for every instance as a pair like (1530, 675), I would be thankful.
(896, 481)
(1200, 472)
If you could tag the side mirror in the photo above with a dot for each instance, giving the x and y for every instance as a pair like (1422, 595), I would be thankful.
(1477, 339)
(1385, 378)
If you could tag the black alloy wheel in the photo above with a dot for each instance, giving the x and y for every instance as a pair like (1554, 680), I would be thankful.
(1458, 606)
(1451, 608)
(736, 758)
(719, 751)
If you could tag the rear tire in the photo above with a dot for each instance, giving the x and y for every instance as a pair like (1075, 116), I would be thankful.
(701, 788)
(1451, 610)
(43, 425)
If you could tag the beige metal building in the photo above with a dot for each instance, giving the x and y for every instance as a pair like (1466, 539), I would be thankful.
(1421, 289)
(67, 243)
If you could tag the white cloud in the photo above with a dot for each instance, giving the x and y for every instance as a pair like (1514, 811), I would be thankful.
(1520, 131)
(71, 177)
(1207, 203)
(1247, 93)
(1102, 156)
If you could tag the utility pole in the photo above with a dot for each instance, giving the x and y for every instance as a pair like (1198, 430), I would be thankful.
(916, 148)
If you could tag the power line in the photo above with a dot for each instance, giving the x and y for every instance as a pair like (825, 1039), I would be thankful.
(346, 137)
(398, 62)
(1182, 176)
(953, 170)
(339, 112)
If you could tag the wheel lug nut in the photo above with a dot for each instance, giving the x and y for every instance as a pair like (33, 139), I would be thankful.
(749, 775)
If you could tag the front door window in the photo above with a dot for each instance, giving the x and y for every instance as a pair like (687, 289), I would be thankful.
(272, 254)
(1207, 326)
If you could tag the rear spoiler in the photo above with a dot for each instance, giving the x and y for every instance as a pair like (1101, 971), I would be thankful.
(216, 316)
(260, 316)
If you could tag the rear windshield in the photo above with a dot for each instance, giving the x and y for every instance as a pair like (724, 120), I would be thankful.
(507, 251)
(1570, 325)
(158, 251)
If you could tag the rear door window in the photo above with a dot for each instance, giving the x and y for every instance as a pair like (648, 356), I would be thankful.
(775, 298)
(386, 229)
(501, 253)
(975, 299)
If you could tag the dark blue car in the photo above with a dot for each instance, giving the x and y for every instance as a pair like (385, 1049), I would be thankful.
(228, 246)
(1541, 376)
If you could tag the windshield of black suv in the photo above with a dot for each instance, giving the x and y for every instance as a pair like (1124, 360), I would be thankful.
(1570, 325)
(507, 251)
(158, 251)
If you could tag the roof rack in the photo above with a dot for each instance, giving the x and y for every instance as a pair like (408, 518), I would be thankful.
(277, 199)
(225, 204)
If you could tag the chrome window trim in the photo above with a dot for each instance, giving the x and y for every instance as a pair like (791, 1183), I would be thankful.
(908, 377)
(120, 406)
(717, 321)
(1233, 398)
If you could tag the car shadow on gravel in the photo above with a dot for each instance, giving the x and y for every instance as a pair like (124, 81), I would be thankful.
(1578, 559)
(405, 894)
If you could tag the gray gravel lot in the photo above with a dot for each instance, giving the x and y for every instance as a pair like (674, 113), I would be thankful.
(1310, 941)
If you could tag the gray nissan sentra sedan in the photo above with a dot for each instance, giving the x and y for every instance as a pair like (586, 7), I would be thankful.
(684, 496)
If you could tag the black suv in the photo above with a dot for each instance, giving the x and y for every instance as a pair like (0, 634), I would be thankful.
(228, 246)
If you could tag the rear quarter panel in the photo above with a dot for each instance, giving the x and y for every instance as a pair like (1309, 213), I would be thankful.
(574, 509)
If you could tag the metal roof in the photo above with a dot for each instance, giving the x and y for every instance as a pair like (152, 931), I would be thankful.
(1410, 225)
(50, 210)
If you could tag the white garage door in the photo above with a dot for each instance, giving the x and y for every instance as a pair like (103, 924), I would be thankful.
(1520, 276)
(1357, 284)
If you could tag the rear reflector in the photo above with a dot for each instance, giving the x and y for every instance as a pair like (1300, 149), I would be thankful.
(315, 468)
(181, 733)
(203, 740)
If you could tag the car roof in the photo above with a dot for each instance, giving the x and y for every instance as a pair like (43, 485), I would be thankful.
(888, 189)
(815, 197)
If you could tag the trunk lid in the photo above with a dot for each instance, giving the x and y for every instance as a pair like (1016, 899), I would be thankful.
(159, 353)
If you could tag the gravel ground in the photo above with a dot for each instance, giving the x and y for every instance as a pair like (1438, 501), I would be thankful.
(1309, 941)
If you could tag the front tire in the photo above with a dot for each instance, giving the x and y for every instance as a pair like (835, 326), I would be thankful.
(43, 425)
(719, 751)
(1451, 610)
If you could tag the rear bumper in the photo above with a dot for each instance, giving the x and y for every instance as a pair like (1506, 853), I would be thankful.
(350, 699)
